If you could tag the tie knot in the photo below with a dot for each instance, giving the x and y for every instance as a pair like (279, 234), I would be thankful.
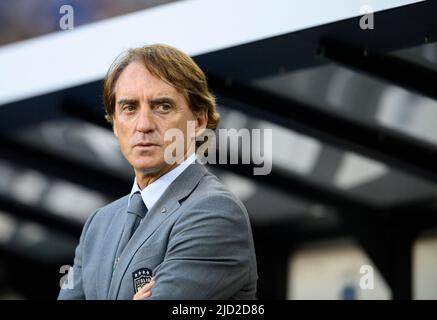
(137, 206)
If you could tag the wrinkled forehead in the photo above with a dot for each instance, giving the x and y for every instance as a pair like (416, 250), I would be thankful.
(136, 80)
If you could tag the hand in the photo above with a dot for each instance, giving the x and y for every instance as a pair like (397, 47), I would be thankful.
(145, 292)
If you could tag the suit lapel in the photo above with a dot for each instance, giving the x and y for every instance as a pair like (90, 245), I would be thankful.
(169, 202)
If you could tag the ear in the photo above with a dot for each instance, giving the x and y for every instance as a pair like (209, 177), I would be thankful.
(201, 121)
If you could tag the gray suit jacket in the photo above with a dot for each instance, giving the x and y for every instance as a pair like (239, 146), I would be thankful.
(196, 240)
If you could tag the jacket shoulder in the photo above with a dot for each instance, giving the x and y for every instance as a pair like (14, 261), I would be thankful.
(210, 188)
(107, 212)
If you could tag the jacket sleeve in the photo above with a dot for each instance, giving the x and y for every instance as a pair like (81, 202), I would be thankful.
(208, 254)
(75, 291)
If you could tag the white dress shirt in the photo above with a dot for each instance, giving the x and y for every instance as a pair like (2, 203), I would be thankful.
(154, 191)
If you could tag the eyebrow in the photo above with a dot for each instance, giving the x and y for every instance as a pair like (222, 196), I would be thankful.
(162, 100)
(151, 101)
(127, 101)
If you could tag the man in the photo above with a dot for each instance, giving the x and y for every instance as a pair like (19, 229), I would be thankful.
(180, 233)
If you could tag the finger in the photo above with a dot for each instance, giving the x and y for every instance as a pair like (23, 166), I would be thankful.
(143, 296)
(147, 287)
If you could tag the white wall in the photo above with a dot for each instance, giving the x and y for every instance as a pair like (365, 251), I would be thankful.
(425, 268)
(323, 271)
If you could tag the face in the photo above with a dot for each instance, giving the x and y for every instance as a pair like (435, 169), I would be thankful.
(145, 108)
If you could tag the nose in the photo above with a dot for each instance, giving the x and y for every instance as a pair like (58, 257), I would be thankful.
(145, 122)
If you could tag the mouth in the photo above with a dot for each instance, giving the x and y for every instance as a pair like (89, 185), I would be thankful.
(146, 145)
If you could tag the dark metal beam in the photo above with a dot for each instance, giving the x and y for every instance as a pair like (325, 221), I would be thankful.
(300, 186)
(63, 167)
(298, 50)
(395, 70)
(399, 151)
(272, 264)
(424, 213)
(39, 215)
(388, 242)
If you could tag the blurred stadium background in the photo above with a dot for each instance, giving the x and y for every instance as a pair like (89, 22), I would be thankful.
(353, 114)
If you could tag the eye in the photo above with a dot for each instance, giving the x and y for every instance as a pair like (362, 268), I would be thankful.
(164, 108)
(128, 108)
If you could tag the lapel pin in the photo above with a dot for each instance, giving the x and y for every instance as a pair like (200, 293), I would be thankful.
(163, 210)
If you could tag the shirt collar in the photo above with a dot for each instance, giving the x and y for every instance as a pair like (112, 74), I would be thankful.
(154, 191)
